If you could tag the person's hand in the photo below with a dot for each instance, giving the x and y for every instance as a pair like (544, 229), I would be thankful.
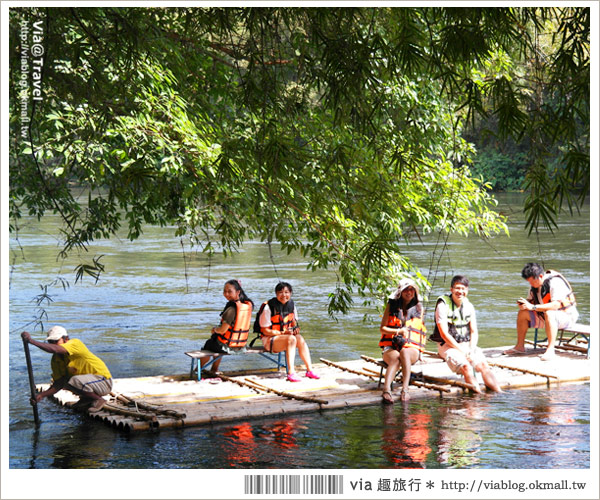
(35, 399)
(26, 336)
(524, 305)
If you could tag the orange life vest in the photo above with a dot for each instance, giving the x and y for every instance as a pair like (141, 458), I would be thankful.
(568, 301)
(236, 335)
(413, 321)
(282, 315)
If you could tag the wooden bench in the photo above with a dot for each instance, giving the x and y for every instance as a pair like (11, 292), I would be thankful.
(572, 332)
(196, 355)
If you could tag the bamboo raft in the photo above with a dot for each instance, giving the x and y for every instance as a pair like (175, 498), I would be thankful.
(176, 401)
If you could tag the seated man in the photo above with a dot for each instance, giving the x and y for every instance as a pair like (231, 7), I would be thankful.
(456, 335)
(74, 368)
(550, 305)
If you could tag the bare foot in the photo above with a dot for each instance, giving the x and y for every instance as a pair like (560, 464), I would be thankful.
(549, 355)
(97, 405)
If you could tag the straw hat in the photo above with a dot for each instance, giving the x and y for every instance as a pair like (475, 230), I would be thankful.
(403, 285)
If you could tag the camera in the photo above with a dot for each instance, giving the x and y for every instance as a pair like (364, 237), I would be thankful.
(398, 342)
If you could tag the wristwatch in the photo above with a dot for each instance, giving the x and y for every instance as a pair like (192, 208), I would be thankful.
(534, 307)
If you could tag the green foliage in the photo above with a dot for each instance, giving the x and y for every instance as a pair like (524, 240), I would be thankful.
(336, 131)
(504, 172)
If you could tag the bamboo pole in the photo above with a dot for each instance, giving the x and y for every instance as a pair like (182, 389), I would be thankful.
(340, 367)
(288, 394)
(34, 405)
(120, 411)
(417, 383)
(432, 354)
(148, 407)
(439, 380)
(373, 360)
(564, 347)
(522, 370)
(456, 383)
(235, 381)
(433, 387)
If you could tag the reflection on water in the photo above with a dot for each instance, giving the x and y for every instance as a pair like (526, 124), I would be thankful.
(458, 440)
(405, 437)
(528, 428)
(150, 307)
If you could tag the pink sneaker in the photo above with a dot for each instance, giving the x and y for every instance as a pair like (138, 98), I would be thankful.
(311, 374)
(293, 377)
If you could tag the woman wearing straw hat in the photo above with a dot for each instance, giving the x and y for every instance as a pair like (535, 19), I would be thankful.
(402, 336)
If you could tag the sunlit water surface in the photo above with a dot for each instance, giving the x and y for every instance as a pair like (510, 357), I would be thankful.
(157, 300)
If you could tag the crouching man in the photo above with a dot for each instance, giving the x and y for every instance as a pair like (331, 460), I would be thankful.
(74, 368)
(456, 335)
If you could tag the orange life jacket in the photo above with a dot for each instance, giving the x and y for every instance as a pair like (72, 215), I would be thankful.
(413, 321)
(236, 335)
(568, 301)
(282, 315)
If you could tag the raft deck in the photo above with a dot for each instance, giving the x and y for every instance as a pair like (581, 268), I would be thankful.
(153, 403)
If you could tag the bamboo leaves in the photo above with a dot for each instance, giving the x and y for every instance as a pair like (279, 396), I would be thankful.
(336, 132)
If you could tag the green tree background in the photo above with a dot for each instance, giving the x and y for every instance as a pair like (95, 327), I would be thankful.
(337, 132)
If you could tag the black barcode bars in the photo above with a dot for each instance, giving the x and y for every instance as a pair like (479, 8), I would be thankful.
(293, 484)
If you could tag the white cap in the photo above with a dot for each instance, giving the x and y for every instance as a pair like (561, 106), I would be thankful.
(56, 333)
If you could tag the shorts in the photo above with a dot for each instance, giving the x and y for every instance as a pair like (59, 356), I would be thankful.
(92, 383)
(213, 344)
(390, 348)
(564, 319)
(456, 359)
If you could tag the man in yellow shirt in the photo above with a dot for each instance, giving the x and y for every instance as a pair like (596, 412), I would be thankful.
(74, 368)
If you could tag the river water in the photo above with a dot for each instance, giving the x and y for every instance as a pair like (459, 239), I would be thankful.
(159, 299)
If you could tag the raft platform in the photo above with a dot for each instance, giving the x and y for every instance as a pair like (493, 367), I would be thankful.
(177, 401)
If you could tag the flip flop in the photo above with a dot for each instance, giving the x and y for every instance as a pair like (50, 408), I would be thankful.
(512, 351)
(389, 400)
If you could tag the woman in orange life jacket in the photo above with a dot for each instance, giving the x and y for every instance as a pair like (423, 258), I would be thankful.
(279, 331)
(402, 336)
(231, 334)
